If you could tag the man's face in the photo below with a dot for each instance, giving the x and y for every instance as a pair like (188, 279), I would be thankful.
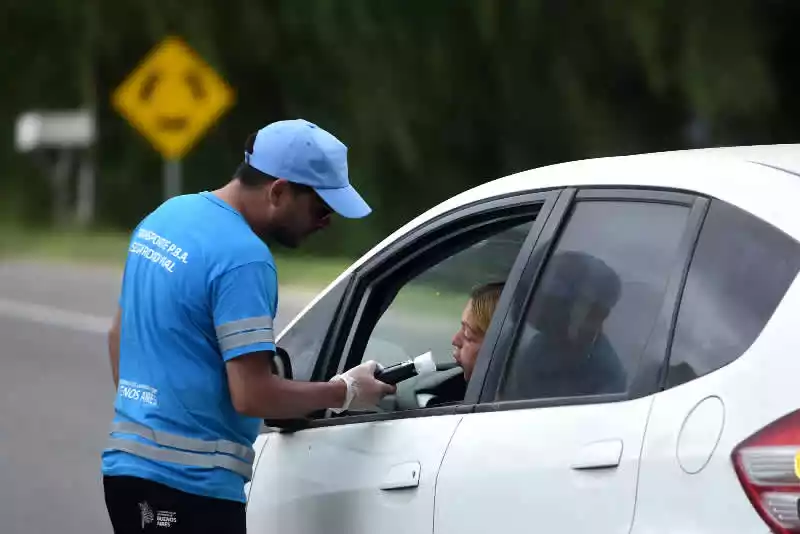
(294, 214)
(571, 321)
(467, 342)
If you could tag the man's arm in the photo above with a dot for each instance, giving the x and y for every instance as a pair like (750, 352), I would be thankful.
(257, 392)
(243, 302)
(113, 346)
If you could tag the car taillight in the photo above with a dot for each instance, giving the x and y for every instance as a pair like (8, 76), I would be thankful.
(768, 466)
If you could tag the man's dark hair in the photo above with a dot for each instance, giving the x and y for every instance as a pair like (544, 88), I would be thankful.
(252, 177)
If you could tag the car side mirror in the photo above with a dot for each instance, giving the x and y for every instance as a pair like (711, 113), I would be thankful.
(282, 366)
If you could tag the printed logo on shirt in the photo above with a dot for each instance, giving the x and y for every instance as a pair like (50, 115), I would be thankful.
(166, 518)
(138, 392)
(168, 249)
(147, 513)
(162, 518)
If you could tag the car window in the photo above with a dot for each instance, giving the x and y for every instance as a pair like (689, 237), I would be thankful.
(596, 302)
(426, 315)
(304, 339)
(739, 273)
(427, 310)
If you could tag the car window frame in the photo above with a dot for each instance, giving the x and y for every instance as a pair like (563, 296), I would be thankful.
(648, 377)
(442, 227)
(698, 248)
(336, 291)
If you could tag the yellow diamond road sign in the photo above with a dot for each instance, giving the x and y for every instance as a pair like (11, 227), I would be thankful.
(173, 97)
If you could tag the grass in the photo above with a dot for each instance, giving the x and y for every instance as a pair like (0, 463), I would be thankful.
(68, 245)
(301, 272)
(109, 249)
(308, 272)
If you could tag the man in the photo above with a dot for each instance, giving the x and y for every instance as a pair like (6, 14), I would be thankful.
(191, 343)
(562, 350)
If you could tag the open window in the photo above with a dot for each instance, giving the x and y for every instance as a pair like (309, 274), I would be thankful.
(416, 298)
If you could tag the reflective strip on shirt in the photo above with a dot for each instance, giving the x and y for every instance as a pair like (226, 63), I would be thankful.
(216, 451)
(183, 442)
(152, 452)
(245, 332)
(246, 338)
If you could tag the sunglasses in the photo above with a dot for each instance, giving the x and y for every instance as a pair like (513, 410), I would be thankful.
(319, 209)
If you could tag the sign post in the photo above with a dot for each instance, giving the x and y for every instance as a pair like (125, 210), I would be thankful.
(55, 138)
(172, 98)
(172, 177)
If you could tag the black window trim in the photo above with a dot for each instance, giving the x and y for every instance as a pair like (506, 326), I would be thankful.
(324, 352)
(291, 425)
(514, 308)
(346, 313)
(365, 277)
(648, 378)
(655, 364)
(371, 282)
(664, 383)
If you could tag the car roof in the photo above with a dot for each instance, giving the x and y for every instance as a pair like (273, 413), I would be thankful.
(761, 179)
(756, 178)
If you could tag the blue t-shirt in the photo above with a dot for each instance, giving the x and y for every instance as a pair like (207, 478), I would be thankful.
(199, 288)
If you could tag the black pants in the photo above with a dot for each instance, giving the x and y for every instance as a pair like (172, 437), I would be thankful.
(138, 505)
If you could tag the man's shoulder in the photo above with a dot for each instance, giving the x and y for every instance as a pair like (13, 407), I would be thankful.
(240, 250)
(176, 215)
(244, 258)
(219, 238)
(226, 239)
(189, 202)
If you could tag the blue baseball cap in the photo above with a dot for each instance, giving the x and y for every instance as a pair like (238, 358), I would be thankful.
(302, 152)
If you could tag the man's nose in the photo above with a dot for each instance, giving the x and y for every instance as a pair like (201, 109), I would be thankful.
(324, 222)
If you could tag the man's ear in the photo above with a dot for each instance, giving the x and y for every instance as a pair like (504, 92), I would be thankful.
(277, 191)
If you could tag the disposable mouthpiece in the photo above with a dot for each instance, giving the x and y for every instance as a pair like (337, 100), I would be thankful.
(424, 363)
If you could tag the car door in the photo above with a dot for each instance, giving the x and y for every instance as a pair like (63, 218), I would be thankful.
(376, 471)
(554, 444)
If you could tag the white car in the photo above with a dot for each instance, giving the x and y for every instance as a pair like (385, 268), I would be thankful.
(682, 415)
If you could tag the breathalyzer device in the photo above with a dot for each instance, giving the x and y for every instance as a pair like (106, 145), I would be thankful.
(422, 364)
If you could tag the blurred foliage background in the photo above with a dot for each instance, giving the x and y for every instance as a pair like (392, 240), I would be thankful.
(431, 96)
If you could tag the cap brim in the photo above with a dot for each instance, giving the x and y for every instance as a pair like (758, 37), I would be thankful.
(345, 201)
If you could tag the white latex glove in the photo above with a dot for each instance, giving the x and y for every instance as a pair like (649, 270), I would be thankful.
(364, 391)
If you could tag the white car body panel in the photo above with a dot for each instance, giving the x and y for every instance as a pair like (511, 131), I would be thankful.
(258, 447)
(758, 387)
(517, 471)
(351, 478)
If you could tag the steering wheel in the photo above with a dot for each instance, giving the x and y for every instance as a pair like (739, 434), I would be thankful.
(415, 393)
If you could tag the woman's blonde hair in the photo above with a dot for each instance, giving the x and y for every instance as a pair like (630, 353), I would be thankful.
(483, 301)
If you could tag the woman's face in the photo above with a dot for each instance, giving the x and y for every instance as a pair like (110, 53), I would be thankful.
(467, 341)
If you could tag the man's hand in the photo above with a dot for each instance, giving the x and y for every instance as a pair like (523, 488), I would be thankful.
(364, 391)
(257, 392)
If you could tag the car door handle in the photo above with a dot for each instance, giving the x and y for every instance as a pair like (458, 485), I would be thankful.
(401, 476)
(599, 455)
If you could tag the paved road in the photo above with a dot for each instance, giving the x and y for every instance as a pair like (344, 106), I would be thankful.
(56, 394)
